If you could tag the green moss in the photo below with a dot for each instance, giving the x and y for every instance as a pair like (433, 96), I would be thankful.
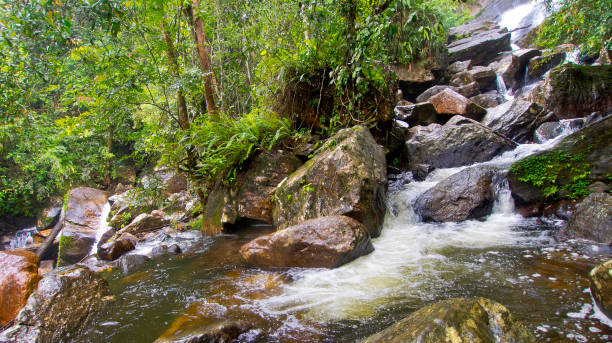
(557, 174)
(585, 87)
(65, 242)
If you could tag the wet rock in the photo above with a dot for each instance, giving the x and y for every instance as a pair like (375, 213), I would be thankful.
(397, 135)
(480, 47)
(456, 320)
(516, 120)
(419, 75)
(469, 90)
(539, 65)
(204, 323)
(257, 187)
(111, 251)
(61, 306)
(346, 176)
(598, 187)
(146, 223)
(508, 68)
(451, 103)
(106, 236)
(601, 287)
(589, 150)
(573, 91)
(469, 29)
(82, 219)
(325, 242)
(429, 92)
(459, 66)
(420, 171)
(163, 249)
(18, 279)
(461, 141)
(486, 100)
(252, 197)
(592, 219)
(485, 76)
(130, 262)
(462, 196)
(418, 114)
(550, 130)
(461, 79)
(49, 216)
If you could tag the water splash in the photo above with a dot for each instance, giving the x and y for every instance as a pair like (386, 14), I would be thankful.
(502, 89)
(520, 19)
(23, 238)
(102, 227)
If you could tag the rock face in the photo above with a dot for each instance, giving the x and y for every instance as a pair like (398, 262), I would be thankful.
(541, 64)
(592, 219)
(480, 47)
(81, 222)
(62, 304)
(551, 130)
(417, 114)
(450, 103)
(573, 91)
(256, 194)
(485, 76)
(459, 142)
(147, 222)
(253, 195)
(18, 279)
(347, 176)
(601, 287)
(168, 180)
(589, 148)
(516, 120)
(111, 251)
(325, 242)
(464, 195)
(456, 320)
(486, 100)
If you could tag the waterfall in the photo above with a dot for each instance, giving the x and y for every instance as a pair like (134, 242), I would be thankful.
(23, 238)
(102, 227)
(501, 88)
(520, 19)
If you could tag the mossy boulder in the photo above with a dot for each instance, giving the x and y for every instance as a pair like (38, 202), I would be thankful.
(346, 176)
(601, 287)
(61, 306)
(567, 169)
(252, 195)
(457, 320)
(82, 220)
(573, 91)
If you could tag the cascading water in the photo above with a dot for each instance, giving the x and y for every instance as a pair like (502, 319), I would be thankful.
(102, 227)
(521, 19)
(23, 238)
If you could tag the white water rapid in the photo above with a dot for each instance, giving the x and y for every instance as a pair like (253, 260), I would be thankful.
(23, 238)
(409, 260)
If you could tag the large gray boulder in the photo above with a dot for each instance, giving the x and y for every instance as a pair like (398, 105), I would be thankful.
(464, 195)
(516, 120)
(481, 46)
(601, 287)
(62, 305)
(592, 219)
(456, 320)
(325, 242)
(147, 222)
(81, 222)
(459, 142)
(417, 114)
(346, 176)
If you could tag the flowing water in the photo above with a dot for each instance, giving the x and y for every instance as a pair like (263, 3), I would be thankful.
(23, 237)
(505, 257)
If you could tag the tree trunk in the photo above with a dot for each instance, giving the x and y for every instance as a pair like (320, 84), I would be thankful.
(204, 56)
(183, 114)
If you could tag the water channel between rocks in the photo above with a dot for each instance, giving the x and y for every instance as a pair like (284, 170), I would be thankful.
(505, 257)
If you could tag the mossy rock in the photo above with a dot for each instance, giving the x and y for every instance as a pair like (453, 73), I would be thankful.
(456, 320)
(568, 169)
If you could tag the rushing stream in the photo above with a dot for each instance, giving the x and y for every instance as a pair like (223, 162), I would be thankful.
(505, 257)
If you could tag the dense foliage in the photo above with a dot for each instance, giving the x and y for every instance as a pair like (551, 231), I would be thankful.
(586, 23)
(87, 87)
